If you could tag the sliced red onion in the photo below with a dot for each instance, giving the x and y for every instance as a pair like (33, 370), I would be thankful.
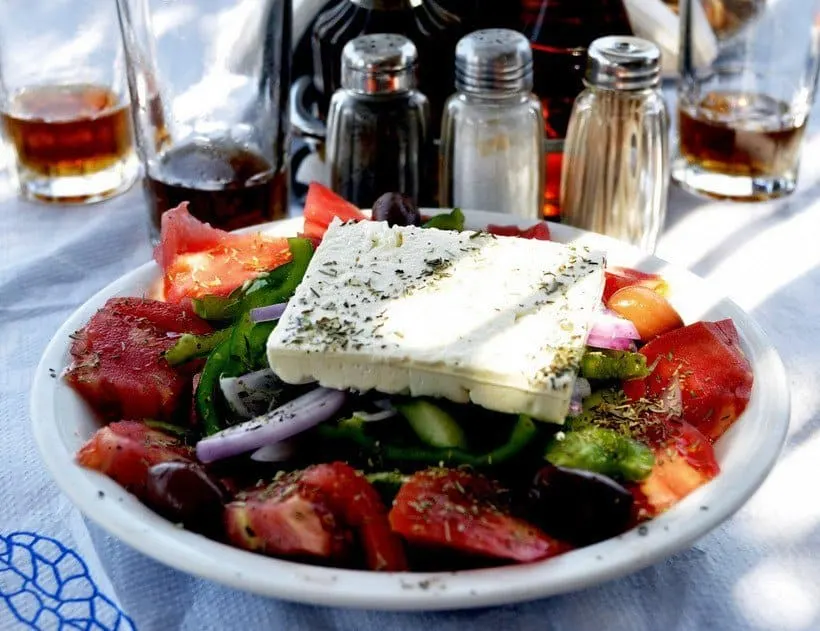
(253, 394)
(275, 452)
(290, 419)
(372, 417)
(611, 343)
(267, 314)
(610, 325)
(612, 332)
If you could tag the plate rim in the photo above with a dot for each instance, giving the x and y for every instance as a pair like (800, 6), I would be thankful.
(303, 583)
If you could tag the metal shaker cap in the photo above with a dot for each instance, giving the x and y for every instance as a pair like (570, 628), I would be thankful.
(379, 64)
(494, 60)
(619, 62)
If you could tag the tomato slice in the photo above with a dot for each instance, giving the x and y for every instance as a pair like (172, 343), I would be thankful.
(713, 374)
(456, 509)
(684, 460)
(321, 206)
(181, 232)
(290, 519)
(117, 359)
(352, 497)
(220, 270)
(124, 451)
(540, 231)
(199, 260)
(620, 277)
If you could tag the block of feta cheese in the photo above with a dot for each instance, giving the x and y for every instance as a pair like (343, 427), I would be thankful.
(466, 316)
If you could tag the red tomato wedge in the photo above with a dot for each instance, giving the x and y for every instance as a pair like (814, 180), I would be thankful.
(321, 206)
(124, 451)
(181, 233)
(459, 510)
(355, 500)
(620, 277)
(714, 376)
(117, 359)
(540, 231)
(199, 260)
(287, 518)
(684, 460)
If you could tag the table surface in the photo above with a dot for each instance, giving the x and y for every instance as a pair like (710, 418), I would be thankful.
(759, 570)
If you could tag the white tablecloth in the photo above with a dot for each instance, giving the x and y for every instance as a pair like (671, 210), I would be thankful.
(760, 570)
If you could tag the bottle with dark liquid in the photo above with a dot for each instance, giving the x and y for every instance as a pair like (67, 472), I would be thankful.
(560, 32)
(433, 30)
(75, 131)
(227, 184)
(225, 153)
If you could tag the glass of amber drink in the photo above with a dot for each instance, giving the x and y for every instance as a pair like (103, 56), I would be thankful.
(744, 95)
(64, 106)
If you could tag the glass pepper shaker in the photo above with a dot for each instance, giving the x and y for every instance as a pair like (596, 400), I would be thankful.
(615, 176)
(378, 124)
(492, 138)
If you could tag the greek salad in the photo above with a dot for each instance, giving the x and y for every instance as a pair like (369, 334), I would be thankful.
(392, 392)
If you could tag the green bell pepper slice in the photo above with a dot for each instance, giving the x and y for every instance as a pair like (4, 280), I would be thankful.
(601, 450)
(352, 430)
(189, 346)
(613, 365)
(205, 397)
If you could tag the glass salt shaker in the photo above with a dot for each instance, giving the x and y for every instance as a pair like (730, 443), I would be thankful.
(615, 176)
(378, 124)
(492, 139)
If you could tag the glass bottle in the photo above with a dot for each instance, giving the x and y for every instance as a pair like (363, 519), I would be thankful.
(492, 130)
(378, 125)
(433, 30)
(559, 32)
(616, 166)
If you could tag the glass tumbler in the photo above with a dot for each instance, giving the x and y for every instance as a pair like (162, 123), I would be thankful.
(210, 84)
(744, 95)
(64, 100)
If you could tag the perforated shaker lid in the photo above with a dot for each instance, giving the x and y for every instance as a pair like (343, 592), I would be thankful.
(383, 63)
(494, 60)
(619, 62)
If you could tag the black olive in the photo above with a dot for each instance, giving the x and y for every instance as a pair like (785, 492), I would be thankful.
(397, 210)
(183, 492)
(578, 506)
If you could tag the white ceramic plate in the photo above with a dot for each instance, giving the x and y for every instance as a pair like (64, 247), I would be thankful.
(62, 422)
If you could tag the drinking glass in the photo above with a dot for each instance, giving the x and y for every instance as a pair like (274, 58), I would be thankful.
(64, 100)
(209, 83)
(744, 95)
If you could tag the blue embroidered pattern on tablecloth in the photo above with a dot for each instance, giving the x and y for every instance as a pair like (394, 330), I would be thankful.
(48, 586)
